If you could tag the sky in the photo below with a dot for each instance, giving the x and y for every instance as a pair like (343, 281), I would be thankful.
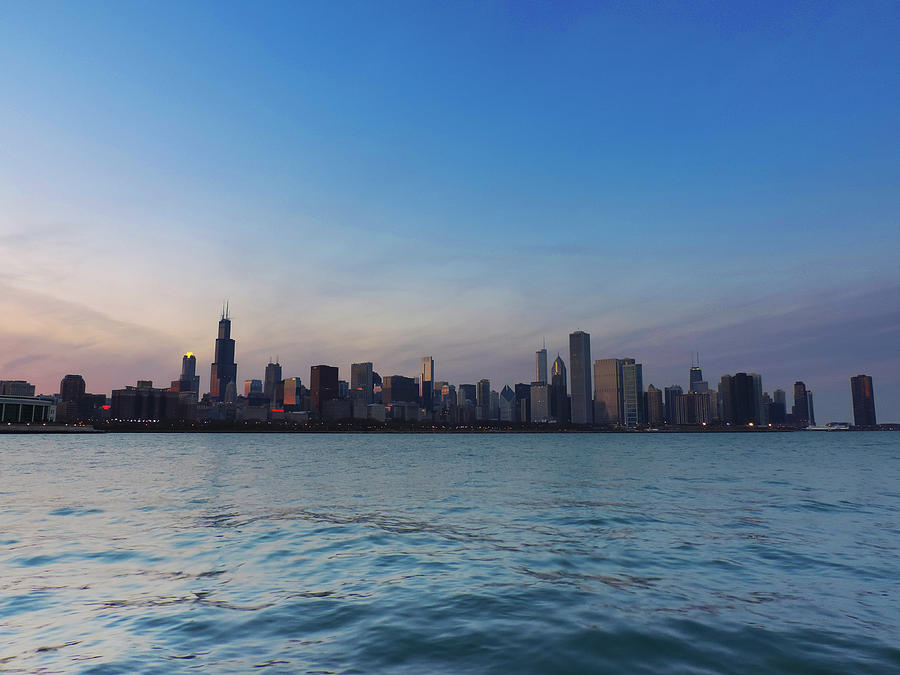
(379, 181)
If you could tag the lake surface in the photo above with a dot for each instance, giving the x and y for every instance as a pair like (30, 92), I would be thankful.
(450, 553)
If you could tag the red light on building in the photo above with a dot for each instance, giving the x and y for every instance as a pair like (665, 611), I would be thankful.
(106, 406)
(277, 409)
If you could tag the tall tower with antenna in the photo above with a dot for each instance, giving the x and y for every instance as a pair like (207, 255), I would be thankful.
(696, 375)
(223, 370)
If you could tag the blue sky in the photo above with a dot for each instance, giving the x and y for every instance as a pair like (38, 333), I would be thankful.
(380, 181)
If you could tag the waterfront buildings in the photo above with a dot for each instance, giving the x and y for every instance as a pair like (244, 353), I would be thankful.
(580, 362)
(144, 402)
(654, 406)
(271, 384)
(16, 388)
(15, 409)
(253, 387)
(540, 365)
(523, 402)
(802, 411)
(323, 386)
(695, 377)
(483, 399)
(426, 383)
(188, 383)
(608, 391)
(539, 393)
(292, 395)
(71, 388)
(467, 395)
(507, 404)
(362, 382)
(559, 396)
(671, 395)
(223, 371)
(693, 408)
(617, 397)
(399, 389)
(632, 392)
(778, 407)
(863, 401)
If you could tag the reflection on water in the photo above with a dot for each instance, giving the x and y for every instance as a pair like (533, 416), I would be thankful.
(332, 553)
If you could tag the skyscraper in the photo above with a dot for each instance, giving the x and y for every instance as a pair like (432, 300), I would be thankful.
(483, 399)
(778, 407)
(71, 388)
(467, 395)
(695, 376)
(252, 387)
(523, 402)
(223, 370)
(559, 395)
(426, 383)
(671, 402)
(580, 362)
(800, 410)
(323, 386)
(188, 383)
(540, 402)
(271, 382)
(608, 391)
(399, 389)
(744, 399)
(540, 365)
(361, 382)
(507, 404)
(632, 392)
(293, 394)
(654, 405)
(863, 401)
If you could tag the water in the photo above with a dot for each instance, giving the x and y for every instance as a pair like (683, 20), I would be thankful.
(500, 553)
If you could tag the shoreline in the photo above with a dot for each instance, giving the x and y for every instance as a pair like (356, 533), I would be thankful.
(349, 429)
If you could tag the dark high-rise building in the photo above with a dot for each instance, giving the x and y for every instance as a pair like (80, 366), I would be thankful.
(483, 399)
(863, 401)
(632, 392)
(144, 402)
(71, 388)
(188, 383)
(671, 402)
(654, 406)
(426, 383)
(17, 388)
(608, 391)
(467, 394)
(778, 407)
(580, 363)
(223, 370)
(271, 383)
(523, 402)
(362, 386)
(559, 395)
(800, 412)
(253, 387)
(323, 386)
(742, 405)
(399, 389)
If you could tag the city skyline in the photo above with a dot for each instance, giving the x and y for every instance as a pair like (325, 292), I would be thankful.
(613, 390)
(345, 371)
(732, 181)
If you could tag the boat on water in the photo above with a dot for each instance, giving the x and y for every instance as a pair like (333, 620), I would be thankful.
(832, 426)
